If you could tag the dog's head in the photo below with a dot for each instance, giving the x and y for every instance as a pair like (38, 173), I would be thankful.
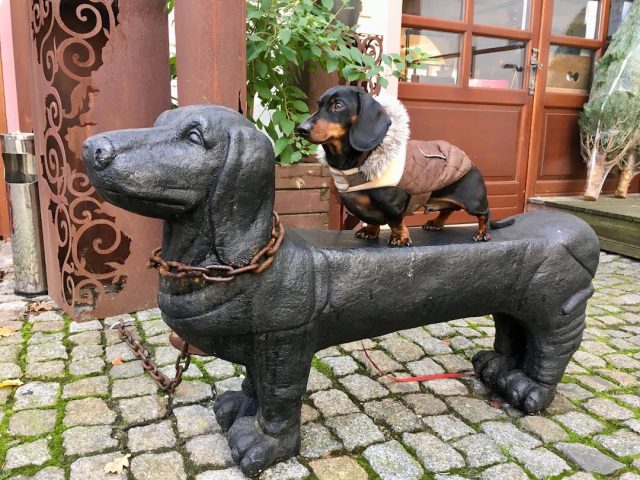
(347, 113)
(201, 157)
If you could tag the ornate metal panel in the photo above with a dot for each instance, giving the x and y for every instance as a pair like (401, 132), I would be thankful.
(98, 65)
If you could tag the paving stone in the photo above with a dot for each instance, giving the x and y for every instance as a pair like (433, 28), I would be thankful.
(392, 462)
(595, 383)
(150, 314)
(477, 388)
(162, 340)
(126, 370)
(454, 363)
(633, 424)
(434, 455)
(580, 423)
(88, 411)
(48, 473)
(399, 387)
(545, 429)
(86, 386)
(220, 369)
(607, 409)
(233, 383)
(333, 402)
(621, 378)
(85, 338)
(383, 361)
(506, 471)
(308, 414)
(77, 327)
(159, 466)
(402, 350)
(166, 356)
(341, 366)
(317, 441)
(133, 387)
(328, 352)
(34, 453)
(36, 395)
(431, 345)
(87, 366)
(317, 381)
(210, 450)
(9, 371)
(151, 437)
(448, 427)
(46, 351)
(540, 462)
(621, 443)
(196, 420)
(559, 405)
(363, 388)
(588, 360)
(574, 391)
(192, 391)
(507, 435)
(355, 346)
(120, 350)
(82, 440)
(45, 338)
(426, 366)
(355, 430)
(589, 458)
(155, 327)
(596, 347)
(86, 351)
(289, 470)
(9, 353)
(425, 404)
(398, 417)
(441, 330)
(4, 395)
(338, 468)
(460, 342)
(474, 410)
(580, 476)
(142, 409)
(446, 387)
(50, 316)
(125, 318)
(479, 450)
(32, 422)
(232, 473)
(623, 361)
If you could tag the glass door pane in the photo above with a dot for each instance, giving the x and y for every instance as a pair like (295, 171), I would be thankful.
(576, 18)
(618, 11)
(570, 69)
(502, 13)
(443, 49)
(497, 63)
(446, 9)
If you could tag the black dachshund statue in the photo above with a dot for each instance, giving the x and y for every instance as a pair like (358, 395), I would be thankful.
(209, 173)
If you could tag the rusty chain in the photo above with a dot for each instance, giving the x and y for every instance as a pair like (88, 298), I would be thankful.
(210, 274)
(221, 273)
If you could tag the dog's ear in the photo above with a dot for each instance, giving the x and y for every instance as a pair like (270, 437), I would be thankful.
(371, 126)
(242, 202)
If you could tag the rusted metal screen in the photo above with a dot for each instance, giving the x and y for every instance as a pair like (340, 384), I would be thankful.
(98, 65)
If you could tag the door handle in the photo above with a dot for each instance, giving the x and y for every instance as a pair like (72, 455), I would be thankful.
(533, 70)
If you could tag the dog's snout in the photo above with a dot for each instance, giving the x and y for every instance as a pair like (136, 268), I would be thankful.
(99, 151)
(304, 129)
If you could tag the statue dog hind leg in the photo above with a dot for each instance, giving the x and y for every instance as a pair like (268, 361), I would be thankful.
(209, 174)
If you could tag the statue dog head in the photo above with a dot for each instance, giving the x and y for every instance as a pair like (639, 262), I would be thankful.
(188, 166)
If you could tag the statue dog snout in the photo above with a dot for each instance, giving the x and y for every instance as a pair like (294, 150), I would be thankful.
(99, 151)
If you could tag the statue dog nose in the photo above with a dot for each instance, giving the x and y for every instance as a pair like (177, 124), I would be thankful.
(99, 151)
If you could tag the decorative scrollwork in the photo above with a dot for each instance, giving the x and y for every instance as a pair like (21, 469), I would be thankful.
(69, 37)
(370, 45)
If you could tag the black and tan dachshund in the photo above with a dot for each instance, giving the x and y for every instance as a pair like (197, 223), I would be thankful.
(351, 127)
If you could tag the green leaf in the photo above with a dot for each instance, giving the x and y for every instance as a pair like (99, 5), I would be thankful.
(281, 144)
(300, 106)
(328, 4)
(261, 69)
(384, 83)
(331, 65)
(287, 126)
(285, 35)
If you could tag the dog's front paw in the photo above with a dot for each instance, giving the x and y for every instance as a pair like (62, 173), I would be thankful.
(232, 405)
(368, 232)
(432, 226)
(253, 450)
(482, 236)
(399, 240)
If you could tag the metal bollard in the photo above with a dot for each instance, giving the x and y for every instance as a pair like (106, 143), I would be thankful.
(21, 177)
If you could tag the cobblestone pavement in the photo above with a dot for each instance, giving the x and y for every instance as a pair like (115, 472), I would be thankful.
(80, 407)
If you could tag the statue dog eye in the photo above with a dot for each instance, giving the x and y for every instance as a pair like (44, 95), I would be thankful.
(195, 137)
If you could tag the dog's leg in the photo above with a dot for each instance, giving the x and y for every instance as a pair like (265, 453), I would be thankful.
(483, 229)
(282, 363)
(232, 405)
(399, 233)
(368, 231)
(437, 223)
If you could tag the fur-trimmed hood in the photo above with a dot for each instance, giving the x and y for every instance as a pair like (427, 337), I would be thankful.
(393, 144)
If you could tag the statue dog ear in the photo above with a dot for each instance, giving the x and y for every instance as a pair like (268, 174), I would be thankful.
(371, 126)
(242, 203)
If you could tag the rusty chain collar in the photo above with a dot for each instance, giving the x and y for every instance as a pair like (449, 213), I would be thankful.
(209, 274)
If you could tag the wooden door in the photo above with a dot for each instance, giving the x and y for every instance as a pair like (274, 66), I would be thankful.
(473, 91)
(574, 34)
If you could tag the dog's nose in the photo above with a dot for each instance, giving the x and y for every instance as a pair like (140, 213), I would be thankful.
(99, 151)
(303, 130)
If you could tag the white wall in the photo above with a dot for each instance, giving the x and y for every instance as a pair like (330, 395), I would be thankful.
(8, 68)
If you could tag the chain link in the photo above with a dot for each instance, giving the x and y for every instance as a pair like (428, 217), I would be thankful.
(164, 382)
(221, 273)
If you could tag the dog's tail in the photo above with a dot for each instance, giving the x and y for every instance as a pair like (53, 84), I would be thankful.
(507, 222)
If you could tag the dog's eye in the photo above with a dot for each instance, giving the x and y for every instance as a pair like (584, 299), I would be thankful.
(337, 106)
(195, 137)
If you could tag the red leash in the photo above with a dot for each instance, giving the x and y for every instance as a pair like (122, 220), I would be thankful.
(422, 378)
